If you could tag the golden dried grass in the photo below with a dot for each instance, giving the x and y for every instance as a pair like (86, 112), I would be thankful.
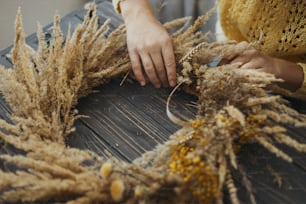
(234, 107)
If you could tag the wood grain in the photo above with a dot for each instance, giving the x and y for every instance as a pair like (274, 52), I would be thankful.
(128, 120)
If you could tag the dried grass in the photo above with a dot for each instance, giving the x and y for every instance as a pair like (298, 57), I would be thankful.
(235, 107)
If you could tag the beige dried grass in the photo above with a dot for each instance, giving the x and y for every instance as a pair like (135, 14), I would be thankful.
(234, 107)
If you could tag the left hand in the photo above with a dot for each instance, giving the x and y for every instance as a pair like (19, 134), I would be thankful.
(290, 72)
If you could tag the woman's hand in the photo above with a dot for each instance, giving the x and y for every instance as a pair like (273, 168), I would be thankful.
(290, 72)
(149, 45)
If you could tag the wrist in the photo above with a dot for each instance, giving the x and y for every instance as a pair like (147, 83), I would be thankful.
(132, 10)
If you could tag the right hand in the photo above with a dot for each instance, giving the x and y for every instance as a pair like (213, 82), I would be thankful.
(149, 45)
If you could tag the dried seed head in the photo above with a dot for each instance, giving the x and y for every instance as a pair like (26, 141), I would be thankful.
(138, 192)
(106, 169)
(73, 129)
(117, 190)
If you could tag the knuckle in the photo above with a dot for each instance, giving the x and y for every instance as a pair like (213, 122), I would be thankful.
(134, 58)
(249, 53)
(170, 64)
(132, 50)
(169, 47)
(147, 65)
(142, 48)
(244, 43)
(253, 52)
(166, 40)
(150, 71)
(161, 73)
(160, 68)
(150, 44)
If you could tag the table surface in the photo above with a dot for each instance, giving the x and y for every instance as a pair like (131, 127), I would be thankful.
(128, 120)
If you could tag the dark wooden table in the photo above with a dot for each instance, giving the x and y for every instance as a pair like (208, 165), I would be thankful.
(128, 120)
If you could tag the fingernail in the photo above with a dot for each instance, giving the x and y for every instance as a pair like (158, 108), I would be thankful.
(142, 83)
(172, 83)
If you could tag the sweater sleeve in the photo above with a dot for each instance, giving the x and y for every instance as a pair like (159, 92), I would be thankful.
(281, 22)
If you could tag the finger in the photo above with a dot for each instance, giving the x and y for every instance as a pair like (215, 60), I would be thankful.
(241, 59)
(240, 48)
(250, 65)
(261, 70)
(243, 45)
(246, 53)
(137, 69)
(149, 69)
(169, 60)
(224, 61)
(160, 68)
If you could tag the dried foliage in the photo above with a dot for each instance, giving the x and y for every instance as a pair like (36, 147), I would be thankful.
(235, 107)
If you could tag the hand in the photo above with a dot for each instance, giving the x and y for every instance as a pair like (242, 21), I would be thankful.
(290, 72)
(149, 45)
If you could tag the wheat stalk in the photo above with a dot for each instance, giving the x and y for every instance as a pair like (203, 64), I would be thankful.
(195, 165)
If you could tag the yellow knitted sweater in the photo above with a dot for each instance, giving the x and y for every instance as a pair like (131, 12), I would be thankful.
(282, 22)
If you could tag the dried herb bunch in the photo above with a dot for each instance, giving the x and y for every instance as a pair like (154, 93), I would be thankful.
(42, 90)
(195, 165)
(235, 107)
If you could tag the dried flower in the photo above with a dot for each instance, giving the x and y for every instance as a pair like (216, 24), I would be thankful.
(234, 106)
(106, 170)
(117, 190)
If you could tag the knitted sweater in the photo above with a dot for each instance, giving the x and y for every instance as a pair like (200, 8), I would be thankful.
(282, 23)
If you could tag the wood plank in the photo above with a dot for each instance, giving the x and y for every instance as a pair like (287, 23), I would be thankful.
(152, 102)
(86, 139)
(129, 120)
(264, 171)
(4, 61)
(134, 123)
(120, 125)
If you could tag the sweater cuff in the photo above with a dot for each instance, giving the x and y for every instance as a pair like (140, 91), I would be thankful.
(301, 92)
(116, 4)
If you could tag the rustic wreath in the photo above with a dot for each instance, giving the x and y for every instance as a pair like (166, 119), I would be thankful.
(195, 166)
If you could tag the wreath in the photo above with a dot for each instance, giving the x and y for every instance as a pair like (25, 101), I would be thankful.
(195, 165)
